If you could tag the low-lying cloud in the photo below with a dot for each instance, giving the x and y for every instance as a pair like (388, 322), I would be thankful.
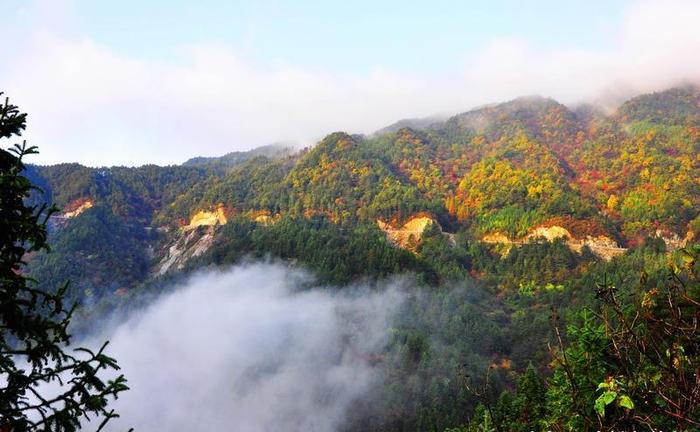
(247, 350)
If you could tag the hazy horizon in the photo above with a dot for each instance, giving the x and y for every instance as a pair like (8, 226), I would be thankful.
(106, 88)
(437, 118)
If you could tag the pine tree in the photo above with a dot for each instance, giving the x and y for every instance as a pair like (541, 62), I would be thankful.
(529, 403)
(34, 336)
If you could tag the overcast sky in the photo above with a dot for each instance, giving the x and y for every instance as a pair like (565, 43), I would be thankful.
(135, 82)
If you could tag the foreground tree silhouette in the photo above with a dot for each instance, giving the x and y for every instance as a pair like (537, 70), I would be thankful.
(44, 386)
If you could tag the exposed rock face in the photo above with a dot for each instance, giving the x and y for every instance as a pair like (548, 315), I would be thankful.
(265, 218)
(550, 233)
(502, 241)
(407, 236)
(192, 240)
(77, 208)
(601, 245)
(208, 218)
(673, 241)
(496, 238)
(187, 244)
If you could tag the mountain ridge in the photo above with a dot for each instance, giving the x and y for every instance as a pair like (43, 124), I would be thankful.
(505, 169)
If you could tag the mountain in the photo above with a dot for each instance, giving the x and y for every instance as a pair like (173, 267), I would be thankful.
(496, 174)
(501, 214)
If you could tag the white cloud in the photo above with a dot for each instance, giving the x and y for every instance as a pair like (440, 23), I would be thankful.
(245, 350)
(90, 104)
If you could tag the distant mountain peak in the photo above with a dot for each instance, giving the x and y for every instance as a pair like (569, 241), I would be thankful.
(419, 123)
(232, 159)
(675, 105)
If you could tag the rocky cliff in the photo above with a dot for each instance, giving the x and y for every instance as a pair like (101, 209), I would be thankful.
(601, 245)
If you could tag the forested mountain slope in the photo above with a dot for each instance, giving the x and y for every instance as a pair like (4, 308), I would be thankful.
(501, 173)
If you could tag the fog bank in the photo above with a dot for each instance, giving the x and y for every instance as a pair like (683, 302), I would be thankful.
(245, 350)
